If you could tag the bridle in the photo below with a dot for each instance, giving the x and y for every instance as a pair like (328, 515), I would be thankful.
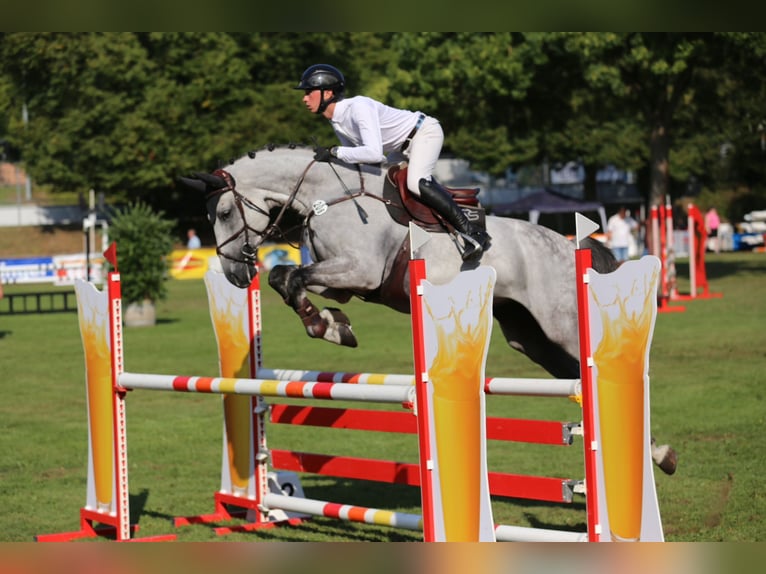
(249, 248)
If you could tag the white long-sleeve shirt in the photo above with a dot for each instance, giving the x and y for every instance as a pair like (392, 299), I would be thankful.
(368, 129)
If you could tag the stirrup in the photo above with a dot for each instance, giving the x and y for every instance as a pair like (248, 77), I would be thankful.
(472, 249)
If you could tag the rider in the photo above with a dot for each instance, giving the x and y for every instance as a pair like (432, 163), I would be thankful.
(368, 129)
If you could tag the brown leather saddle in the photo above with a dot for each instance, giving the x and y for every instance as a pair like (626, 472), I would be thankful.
(404, 207)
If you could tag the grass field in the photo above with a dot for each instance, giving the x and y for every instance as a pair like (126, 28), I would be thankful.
(708, 371)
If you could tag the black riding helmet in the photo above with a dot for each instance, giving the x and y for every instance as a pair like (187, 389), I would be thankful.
(323, 77)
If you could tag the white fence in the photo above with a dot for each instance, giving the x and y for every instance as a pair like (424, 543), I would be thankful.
(30, 214)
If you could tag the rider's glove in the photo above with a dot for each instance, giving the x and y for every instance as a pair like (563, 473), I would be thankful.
(324, 153)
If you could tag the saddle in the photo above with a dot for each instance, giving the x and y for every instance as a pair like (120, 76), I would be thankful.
(404, 207)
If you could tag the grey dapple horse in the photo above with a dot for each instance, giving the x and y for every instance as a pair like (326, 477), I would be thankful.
(358, 250)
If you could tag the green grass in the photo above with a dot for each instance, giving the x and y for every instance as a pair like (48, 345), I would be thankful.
(707, 372)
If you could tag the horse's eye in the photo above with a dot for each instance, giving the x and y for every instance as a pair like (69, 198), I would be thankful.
(224, 214)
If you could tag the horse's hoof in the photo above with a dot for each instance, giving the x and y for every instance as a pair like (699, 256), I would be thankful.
(666, 458)
(340, 335)
(347, 338)
(338, 327)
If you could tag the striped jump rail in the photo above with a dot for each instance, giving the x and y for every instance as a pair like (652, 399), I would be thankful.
(351, 513)
(268, 388)
(532, 387)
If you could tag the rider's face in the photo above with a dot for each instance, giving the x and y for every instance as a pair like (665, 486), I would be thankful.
(312, 99)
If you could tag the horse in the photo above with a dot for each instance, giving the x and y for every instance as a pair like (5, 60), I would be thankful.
(354, 227)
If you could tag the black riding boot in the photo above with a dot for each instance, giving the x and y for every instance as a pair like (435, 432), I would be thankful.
(434, 196)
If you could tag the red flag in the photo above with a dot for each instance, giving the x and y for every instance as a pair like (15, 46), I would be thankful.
(111, 254)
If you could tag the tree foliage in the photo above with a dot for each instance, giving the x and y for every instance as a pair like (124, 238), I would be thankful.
(126, 113)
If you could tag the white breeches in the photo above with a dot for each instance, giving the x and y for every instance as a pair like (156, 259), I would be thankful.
(423, 152)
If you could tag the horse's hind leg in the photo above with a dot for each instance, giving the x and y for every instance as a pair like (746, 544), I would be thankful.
(329, 324)
(665, 457)
(524, 334)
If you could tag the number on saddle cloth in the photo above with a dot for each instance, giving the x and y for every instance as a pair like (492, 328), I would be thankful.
(405, 207)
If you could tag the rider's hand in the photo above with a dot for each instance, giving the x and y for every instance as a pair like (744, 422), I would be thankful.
(323, 153)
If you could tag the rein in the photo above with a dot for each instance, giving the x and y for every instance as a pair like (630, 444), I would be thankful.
(250, 249)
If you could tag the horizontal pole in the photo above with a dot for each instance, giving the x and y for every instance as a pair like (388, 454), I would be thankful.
(392, 472)
(352, 419)
(492, 385)
(337, 377)
(533, 387)
(505, 533)
(343, 511)
(517, 430)
(268, 388)
(386, 471)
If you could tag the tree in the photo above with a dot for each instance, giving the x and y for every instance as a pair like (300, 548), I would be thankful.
(126, 113)
(122, 113)
(665, 80)
(473, 83)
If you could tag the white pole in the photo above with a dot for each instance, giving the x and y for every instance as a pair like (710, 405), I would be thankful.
(25, 119)
(505, 533)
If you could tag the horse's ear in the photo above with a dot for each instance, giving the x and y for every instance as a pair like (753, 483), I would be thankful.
(213, 182)
(193, 184)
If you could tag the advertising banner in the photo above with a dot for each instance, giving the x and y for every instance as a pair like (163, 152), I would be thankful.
(193, 263)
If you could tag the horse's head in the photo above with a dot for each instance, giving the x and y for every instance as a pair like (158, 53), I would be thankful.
(240, 224)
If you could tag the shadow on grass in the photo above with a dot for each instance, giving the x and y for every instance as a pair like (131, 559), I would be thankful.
(137, 504)
(164, 321)
(4, 334)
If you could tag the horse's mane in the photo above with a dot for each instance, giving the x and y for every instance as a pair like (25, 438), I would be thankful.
(372, 169)
(269, 147)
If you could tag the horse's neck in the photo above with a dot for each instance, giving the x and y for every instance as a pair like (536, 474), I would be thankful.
(290, 177)
(272, 178)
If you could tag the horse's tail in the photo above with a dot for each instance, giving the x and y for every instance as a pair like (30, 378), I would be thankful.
(603, 260)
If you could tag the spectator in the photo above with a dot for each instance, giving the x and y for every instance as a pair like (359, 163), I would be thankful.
(619, 229)
(193, 242)
(712, 221)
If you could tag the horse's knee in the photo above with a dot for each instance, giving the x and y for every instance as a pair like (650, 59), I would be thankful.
(279, 280)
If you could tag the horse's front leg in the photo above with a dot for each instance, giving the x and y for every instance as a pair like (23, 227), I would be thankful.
(330, 324)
